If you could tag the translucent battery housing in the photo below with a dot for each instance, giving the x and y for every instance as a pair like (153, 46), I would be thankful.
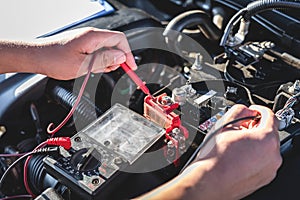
(123, 132)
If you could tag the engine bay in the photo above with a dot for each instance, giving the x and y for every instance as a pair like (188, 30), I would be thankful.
(127, 141)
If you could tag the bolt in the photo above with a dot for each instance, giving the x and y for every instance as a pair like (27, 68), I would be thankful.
(77, 139)
(176, 131)
(179, 95)
(170, 144)
(95, 181)
(170, 152)
(106, 142)
(198, 62)
(166, 100)
(232, 90)
(118, 160)
(137, 59)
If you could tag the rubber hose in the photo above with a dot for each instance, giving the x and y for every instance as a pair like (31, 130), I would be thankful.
(38, 178)
(192, 18)
(189, 19)
(86, 111)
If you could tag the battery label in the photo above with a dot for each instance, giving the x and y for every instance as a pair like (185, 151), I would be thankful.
(208, 124)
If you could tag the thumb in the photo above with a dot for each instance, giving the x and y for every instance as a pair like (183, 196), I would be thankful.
(108, 58)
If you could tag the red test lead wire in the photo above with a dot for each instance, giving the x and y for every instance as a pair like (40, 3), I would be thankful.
(77, 101)
(135, 78)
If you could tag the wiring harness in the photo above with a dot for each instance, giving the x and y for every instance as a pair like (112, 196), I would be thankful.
(286, 114)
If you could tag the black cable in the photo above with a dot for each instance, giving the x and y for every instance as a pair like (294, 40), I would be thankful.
(42, 150)
(252, 9)
(256, 7)
(211, 135)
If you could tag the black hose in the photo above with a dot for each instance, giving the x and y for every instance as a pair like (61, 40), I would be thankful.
(263, 5)
(86, 111)
(189, 19)
(38, 178)
(192, 18)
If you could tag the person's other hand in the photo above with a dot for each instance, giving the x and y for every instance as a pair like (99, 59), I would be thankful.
(67, 55)
(246, 154)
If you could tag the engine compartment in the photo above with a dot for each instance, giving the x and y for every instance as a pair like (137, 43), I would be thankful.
(176, 45)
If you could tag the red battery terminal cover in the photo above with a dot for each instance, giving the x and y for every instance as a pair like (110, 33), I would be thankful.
(160, 110)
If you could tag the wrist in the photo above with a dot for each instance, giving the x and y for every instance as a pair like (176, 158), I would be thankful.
(202, 178)
(197, 180)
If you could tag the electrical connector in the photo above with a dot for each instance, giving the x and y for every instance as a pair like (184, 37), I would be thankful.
(286, 114)
(64, 142)
(285, 117)
(46, 150)
(240, 36)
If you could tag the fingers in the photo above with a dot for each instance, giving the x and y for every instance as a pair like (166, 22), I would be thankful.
(267, 132)
(235, 112)
(267, 116)
(267, 126)
(108, 60)
(124, 46)
(111, 48)
(112, 39)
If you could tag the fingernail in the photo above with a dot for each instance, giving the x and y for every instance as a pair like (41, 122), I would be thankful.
(134, 67)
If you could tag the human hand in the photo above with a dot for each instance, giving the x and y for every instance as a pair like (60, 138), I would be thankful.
(245, 155)
(67, 55)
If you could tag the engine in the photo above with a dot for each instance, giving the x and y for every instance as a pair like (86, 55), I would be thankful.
(197, 58)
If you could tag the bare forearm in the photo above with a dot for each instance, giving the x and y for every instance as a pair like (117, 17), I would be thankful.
(15, 56)
(196, 182)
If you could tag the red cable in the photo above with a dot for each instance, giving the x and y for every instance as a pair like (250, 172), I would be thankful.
(12, 155)
(52, 132)
(65, 142)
